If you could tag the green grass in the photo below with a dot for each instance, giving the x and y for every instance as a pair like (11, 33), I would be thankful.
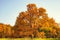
(29, 38)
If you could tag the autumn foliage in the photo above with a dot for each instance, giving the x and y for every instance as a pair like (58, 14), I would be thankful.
(32, 23)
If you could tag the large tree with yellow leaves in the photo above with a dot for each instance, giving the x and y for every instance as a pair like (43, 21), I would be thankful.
(35, 23)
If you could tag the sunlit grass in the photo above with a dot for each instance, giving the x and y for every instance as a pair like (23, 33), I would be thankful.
(29, 38)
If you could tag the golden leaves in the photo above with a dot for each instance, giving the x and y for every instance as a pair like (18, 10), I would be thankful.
(32, 23)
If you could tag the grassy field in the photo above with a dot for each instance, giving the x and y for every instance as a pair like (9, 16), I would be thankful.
(29, 38)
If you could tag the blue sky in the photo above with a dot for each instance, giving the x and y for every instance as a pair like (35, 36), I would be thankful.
(9, 9)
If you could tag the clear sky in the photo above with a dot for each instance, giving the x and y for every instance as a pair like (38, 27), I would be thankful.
(9, 9)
